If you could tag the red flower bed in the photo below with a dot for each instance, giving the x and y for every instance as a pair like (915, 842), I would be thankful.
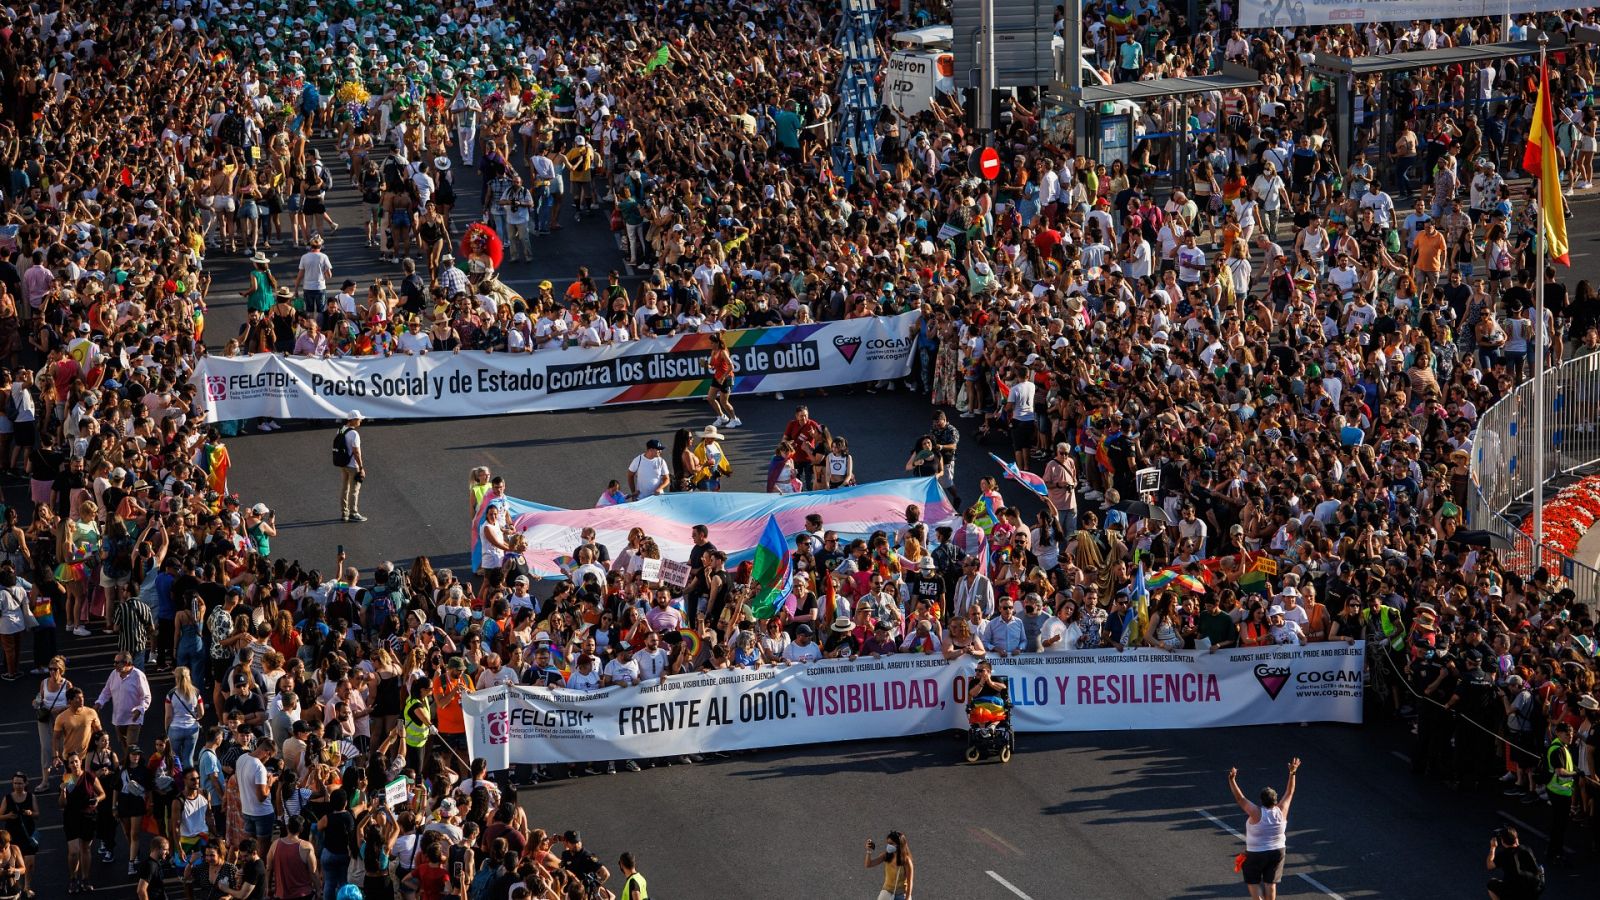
(1569, 515)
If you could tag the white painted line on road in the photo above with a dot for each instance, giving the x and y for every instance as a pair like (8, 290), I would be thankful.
(1307, 878)
(1400, 756)
(1319, 885)
(1008, 885)
(1220, 824)
(1524, 827)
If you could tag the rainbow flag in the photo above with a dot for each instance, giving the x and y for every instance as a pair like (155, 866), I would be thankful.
(1023, 477)
(1253, 582)
(770, 573)
(212, 459)
(691, 642)
(1160, 579)
(985, 712)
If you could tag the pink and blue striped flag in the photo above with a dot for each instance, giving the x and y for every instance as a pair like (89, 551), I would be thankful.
(1023, 477)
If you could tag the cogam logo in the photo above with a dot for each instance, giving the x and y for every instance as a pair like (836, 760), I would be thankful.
(216, 387)
(499, 724)
(847, 347)
(1272, 679)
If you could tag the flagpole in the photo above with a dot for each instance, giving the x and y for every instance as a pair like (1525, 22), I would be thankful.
(1542, 257)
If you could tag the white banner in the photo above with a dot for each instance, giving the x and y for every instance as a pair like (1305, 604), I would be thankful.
(777, 706)
(1280, 13)
(448, 385)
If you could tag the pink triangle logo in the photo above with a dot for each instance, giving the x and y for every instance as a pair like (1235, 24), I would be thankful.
(847, 347)
(1272, 680)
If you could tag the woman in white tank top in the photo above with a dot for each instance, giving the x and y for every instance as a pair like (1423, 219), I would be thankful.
(1265, 834)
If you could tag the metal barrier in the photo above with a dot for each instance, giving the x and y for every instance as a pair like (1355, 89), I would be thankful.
(1502, 462)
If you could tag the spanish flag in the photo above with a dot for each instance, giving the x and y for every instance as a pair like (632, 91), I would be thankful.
(1539, 160)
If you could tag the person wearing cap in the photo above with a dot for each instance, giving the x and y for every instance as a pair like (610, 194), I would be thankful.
(1521, 707)
(649, 475)
(353, 469)
(1476, 700)
(448, 688)
(804, 648)
(1284, 631)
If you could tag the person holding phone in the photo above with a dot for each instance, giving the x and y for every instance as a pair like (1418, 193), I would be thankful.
(898, 870)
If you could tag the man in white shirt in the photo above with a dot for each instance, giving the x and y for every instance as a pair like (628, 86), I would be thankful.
(1381, 204)
(1289, 596)
(621, 671)
(311, 278)
(255, 790)
(1272, 195)
(1191, 260)
(652, 659)
(648, 474)
(804, 648)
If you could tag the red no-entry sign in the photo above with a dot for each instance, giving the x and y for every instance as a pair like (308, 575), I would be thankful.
(989, 163)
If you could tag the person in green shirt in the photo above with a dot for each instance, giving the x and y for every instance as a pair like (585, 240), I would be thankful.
(1216, 625)
(259, 296)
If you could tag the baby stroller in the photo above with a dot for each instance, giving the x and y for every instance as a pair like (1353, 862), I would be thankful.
(989, 731)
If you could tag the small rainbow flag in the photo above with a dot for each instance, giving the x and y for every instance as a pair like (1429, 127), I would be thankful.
(1253, 582)
(691, 641)
(565, 563)
(1160, 579)
(212, 459)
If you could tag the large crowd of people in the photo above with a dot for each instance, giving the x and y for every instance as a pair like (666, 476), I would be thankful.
(1301, 345)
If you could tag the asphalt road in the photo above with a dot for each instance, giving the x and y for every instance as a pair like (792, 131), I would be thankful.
(1092, 815)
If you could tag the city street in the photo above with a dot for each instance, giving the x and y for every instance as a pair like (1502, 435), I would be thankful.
(1086, 815)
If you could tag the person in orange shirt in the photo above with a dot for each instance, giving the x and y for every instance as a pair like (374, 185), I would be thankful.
(1428, 255)
(447, 690)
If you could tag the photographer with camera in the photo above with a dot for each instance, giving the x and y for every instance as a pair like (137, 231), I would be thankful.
(1521, 878)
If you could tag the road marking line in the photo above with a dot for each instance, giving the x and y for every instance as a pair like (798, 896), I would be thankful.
(1220, 824)
(1400, 756)
(1308, 879)
(1524, 826)
(1003, 842)
(1319, 885)
(1007, 885)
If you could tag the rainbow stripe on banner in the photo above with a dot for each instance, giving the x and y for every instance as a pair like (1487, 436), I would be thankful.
(736, 519)
(743, 382)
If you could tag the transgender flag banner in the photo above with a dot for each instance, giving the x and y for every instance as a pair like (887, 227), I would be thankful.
(735, 519)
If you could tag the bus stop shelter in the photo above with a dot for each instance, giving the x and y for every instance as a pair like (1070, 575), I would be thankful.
(1346, 72)
(1105, 129)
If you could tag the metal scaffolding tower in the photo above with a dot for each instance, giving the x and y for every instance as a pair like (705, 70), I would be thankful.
(858, 85)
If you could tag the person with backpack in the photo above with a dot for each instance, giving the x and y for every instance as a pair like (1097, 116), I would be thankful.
(352, 467)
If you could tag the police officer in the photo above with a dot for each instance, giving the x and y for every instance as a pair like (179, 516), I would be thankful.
(1476, 703)
(1433, 678)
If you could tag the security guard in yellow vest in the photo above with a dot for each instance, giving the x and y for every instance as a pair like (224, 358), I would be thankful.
(416, 721)
(1563, 776)
(633, 886)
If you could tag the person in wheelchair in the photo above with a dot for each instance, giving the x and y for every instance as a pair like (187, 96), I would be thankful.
(989, 731)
